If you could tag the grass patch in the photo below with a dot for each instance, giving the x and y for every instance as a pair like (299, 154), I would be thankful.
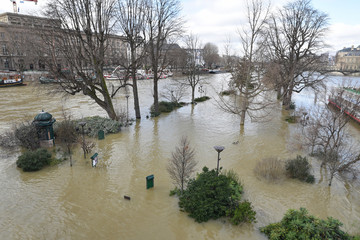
(97, 123)
(201, 99)
(165, 107)
(227, 92)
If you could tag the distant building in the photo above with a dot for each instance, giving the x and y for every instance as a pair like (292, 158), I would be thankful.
(18, 36)
(22, 47)
(348, 59)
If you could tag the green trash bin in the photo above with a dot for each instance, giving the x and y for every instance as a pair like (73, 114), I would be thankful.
(149, 181)
(101, 134)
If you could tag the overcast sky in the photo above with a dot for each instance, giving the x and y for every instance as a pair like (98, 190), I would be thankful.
(216, 20)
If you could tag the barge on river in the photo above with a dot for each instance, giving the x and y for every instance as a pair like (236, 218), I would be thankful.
(11, 79)
(347, 100)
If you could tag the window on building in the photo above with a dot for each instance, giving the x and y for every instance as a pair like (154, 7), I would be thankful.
(4, 50)
(2, 35)
(6, 64)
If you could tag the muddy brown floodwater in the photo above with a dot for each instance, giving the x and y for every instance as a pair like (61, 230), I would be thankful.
(81, 202)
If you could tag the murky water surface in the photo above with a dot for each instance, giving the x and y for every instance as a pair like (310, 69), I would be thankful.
(82, 202)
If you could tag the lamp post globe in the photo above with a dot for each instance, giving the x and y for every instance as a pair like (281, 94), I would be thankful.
(219, 149)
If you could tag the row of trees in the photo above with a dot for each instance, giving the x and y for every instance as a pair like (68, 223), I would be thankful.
(281, 52)
(87, 36)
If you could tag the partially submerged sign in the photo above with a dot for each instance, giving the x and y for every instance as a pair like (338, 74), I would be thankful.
(94, 159)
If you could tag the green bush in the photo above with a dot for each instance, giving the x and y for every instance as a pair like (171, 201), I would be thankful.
(242, 213)
(201, 99)
(164, 107)
(34, 160)
(291, 119)
(299, 168)
(300, 225)
(211, 196)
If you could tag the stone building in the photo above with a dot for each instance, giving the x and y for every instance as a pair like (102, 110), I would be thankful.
(348, 59)
(22, 46)
(20, 39)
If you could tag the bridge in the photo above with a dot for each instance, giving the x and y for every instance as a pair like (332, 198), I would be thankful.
(332, 69)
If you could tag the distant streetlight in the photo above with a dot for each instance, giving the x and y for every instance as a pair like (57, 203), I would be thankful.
(127, 109)
(82, 124)
(219, 149)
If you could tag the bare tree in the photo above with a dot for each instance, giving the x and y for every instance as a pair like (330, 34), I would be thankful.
(163, 24)
(247, 74)
(192, 65)
(294, 40)
(81, 44)
(210, 55)
(182, 164)
(174, 92)
(132, 23)
(325, 132)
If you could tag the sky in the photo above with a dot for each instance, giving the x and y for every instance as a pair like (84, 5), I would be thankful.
(218, 21)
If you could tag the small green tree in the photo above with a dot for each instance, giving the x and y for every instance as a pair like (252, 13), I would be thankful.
(34, 160)
(300, 225)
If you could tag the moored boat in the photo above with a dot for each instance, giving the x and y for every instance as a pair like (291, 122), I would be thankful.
(10, 79)
(347, 100)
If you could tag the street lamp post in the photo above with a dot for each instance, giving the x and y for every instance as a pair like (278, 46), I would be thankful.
(82, 124)
(127, 109)
(219, 149)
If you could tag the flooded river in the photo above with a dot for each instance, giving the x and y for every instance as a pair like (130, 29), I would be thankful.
(81, 202)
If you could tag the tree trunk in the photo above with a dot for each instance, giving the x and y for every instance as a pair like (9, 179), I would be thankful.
(287, 99)
(135, 89)
(136, 99)
(242, 117)
(156, 92)
(193, 94)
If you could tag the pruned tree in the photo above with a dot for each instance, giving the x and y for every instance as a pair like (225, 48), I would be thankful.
(131, 22)
(66, 133)
(182, 164)
(252, 96)
(192, 71)
(210, 54)
(164, 24)
(26, 134)
(294, 40)
(80, 44)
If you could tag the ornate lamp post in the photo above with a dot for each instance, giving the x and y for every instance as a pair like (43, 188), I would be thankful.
(219, 149)
(82, 124)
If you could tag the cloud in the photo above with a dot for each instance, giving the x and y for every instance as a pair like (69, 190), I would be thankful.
(342, 35)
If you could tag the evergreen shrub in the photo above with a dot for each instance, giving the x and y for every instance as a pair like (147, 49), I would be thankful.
(299, 168)
(300, 225)
(34, 160)
(212, 195)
